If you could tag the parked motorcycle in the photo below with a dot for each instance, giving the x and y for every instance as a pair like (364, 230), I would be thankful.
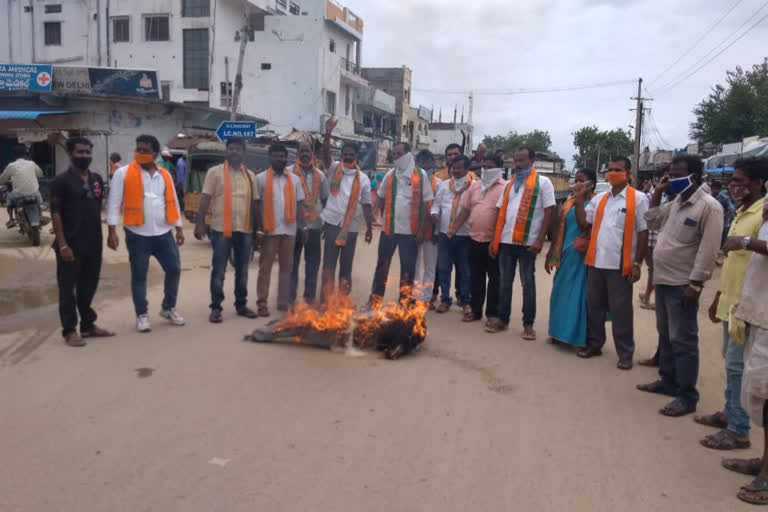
(28, 217)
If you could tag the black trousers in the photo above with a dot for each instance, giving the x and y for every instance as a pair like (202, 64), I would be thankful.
(610, 292)
(333, 255)
(312, 254)
(482, 266)
(78, 281)
(408, 249)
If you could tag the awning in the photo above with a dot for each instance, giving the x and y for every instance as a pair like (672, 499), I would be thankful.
(29, 114)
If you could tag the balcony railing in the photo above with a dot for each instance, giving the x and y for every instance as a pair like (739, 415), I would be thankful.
(350, 66)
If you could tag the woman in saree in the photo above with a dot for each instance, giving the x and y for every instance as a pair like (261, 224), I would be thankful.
(568, 303)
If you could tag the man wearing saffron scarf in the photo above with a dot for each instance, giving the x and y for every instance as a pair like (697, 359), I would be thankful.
(404, 196)
(349, 200)
(454, 249)
(615, 255)
(281, 204)
(147, 196)
(478, 211)
(315, 188)
(451, 152)
(426, 258)
(524, 214)
(230, 190)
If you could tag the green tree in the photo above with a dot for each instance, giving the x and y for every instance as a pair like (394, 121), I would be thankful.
(593, 144)
(735, 110)
(537, 140)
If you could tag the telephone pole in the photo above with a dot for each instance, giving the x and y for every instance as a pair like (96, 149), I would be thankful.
(638, 126)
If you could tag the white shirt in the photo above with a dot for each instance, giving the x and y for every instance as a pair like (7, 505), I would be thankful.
(610, 239)
(278, 199)
(23, 175)
(155, 223)
(444, 203)
(336, 207)
(322, 193)
(403, 198)
(546, 199)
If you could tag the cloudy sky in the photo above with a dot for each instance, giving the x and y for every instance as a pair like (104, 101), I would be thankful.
(501, 45)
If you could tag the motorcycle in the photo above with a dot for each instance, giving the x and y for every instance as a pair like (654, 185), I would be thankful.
(28, 217)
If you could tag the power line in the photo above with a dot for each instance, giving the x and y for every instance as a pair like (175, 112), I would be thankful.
(754, 25)
(677, 79)
(699, 40)
(515, 92)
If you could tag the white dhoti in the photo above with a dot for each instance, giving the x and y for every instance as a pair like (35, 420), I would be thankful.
(426, 265)
(754, 383)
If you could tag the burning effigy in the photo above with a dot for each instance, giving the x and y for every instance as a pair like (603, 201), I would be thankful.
(395, 329)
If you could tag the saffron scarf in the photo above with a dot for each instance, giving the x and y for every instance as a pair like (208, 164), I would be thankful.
(525, 211)
(349, 215)
(228, 200)
(457, 198)
(337, 175)
(133, 197)
(269, 203)
(310, 196)
(557, 245)
(629, 231)
(416, 203)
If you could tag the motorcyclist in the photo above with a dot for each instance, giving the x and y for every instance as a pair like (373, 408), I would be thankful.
(23, 175)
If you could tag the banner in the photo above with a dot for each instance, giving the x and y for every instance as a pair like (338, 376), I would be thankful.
(25, 77)
(105, 81)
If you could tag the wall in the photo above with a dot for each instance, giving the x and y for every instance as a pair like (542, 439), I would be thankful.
(440, 138)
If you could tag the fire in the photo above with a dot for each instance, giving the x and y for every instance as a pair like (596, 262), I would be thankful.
(334, 315)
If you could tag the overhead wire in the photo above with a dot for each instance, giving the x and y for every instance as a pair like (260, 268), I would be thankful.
(699, 40)
(537, 90)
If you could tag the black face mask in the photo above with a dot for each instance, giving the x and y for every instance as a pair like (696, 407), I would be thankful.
(82, 162)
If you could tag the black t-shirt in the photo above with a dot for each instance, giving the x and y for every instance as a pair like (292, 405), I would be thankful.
(79, 203)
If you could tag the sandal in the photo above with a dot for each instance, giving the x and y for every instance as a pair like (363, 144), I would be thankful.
(589, 352)
(471, 317)
(650, 362)
(529, 335)
(73, 340)
(263, 310)
(755, 493)
(750, 467)
(716, 420)
(657, 387)
(96, 332)
(215, 316)
(444, 307)
(676, 408)
(247, 313)
(496, 326)
(725, 440)
(624, 365)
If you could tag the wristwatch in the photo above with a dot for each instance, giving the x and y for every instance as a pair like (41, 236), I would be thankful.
(746, 241)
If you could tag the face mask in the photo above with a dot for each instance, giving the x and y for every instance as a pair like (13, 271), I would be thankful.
(82, 162)
(679, 185)
(143, 158)
(616, 177)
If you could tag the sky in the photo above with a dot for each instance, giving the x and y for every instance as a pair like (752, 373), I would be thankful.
(503, 45)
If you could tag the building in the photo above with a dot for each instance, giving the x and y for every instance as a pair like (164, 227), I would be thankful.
(443, 134)
(301, 62)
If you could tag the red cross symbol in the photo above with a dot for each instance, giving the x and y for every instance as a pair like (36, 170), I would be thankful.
(43, 78)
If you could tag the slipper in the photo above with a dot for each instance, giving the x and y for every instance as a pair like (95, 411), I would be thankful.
(96, 332)
(755, 493)
(73, 340)
(725, 440)
(496, 326)
(215, 316)
(716, 420)
(750, 467)
(657, 387)
(531, 336)
(676, 408)
(471, 317)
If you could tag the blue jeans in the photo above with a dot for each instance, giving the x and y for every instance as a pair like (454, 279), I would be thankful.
(509, 256)
(678, 329)
(738, 419)
(241, 247)
(166, 252)
(450, 252)
(408, 249)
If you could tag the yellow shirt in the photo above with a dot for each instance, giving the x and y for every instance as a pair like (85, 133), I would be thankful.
(746, 223)
(214, 187)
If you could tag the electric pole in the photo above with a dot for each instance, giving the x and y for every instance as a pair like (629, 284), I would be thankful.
(638, 127)
(469, 120)
(244, 35)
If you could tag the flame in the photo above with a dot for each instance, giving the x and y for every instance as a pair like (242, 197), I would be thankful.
(334, 315)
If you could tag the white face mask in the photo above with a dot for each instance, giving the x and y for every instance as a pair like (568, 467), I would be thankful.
(405, 163)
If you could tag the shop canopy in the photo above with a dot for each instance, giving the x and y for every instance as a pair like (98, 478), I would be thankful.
(31, 115)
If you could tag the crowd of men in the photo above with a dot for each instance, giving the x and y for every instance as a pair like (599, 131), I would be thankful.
(480, 227)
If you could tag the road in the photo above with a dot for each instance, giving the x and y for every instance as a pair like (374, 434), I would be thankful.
(194, 419)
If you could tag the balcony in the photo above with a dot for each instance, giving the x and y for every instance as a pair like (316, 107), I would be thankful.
(352, 67)
(344, 19)
(351, 74)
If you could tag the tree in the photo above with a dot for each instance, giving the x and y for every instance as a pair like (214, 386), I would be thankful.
(537, 140)
(593, 145)
(734, 111)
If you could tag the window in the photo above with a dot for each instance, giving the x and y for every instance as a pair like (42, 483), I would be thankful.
(226, 93)
(196, 58)
(330, 102)
(195, 8)
(266, 66)
(156, 28)
(52, 8)
(256, 24)
(121, 30)
(52, 33)
(165, 91)
(294, 9)
(282, 4)
(332, 46)
(347, 101)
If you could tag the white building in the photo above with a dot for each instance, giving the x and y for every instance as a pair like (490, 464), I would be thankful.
(302, 61)
(443, 134)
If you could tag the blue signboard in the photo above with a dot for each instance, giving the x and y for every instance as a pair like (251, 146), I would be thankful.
(26, 77)
(242, 129)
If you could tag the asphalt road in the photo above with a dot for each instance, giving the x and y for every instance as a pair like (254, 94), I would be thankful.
(195, 419)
